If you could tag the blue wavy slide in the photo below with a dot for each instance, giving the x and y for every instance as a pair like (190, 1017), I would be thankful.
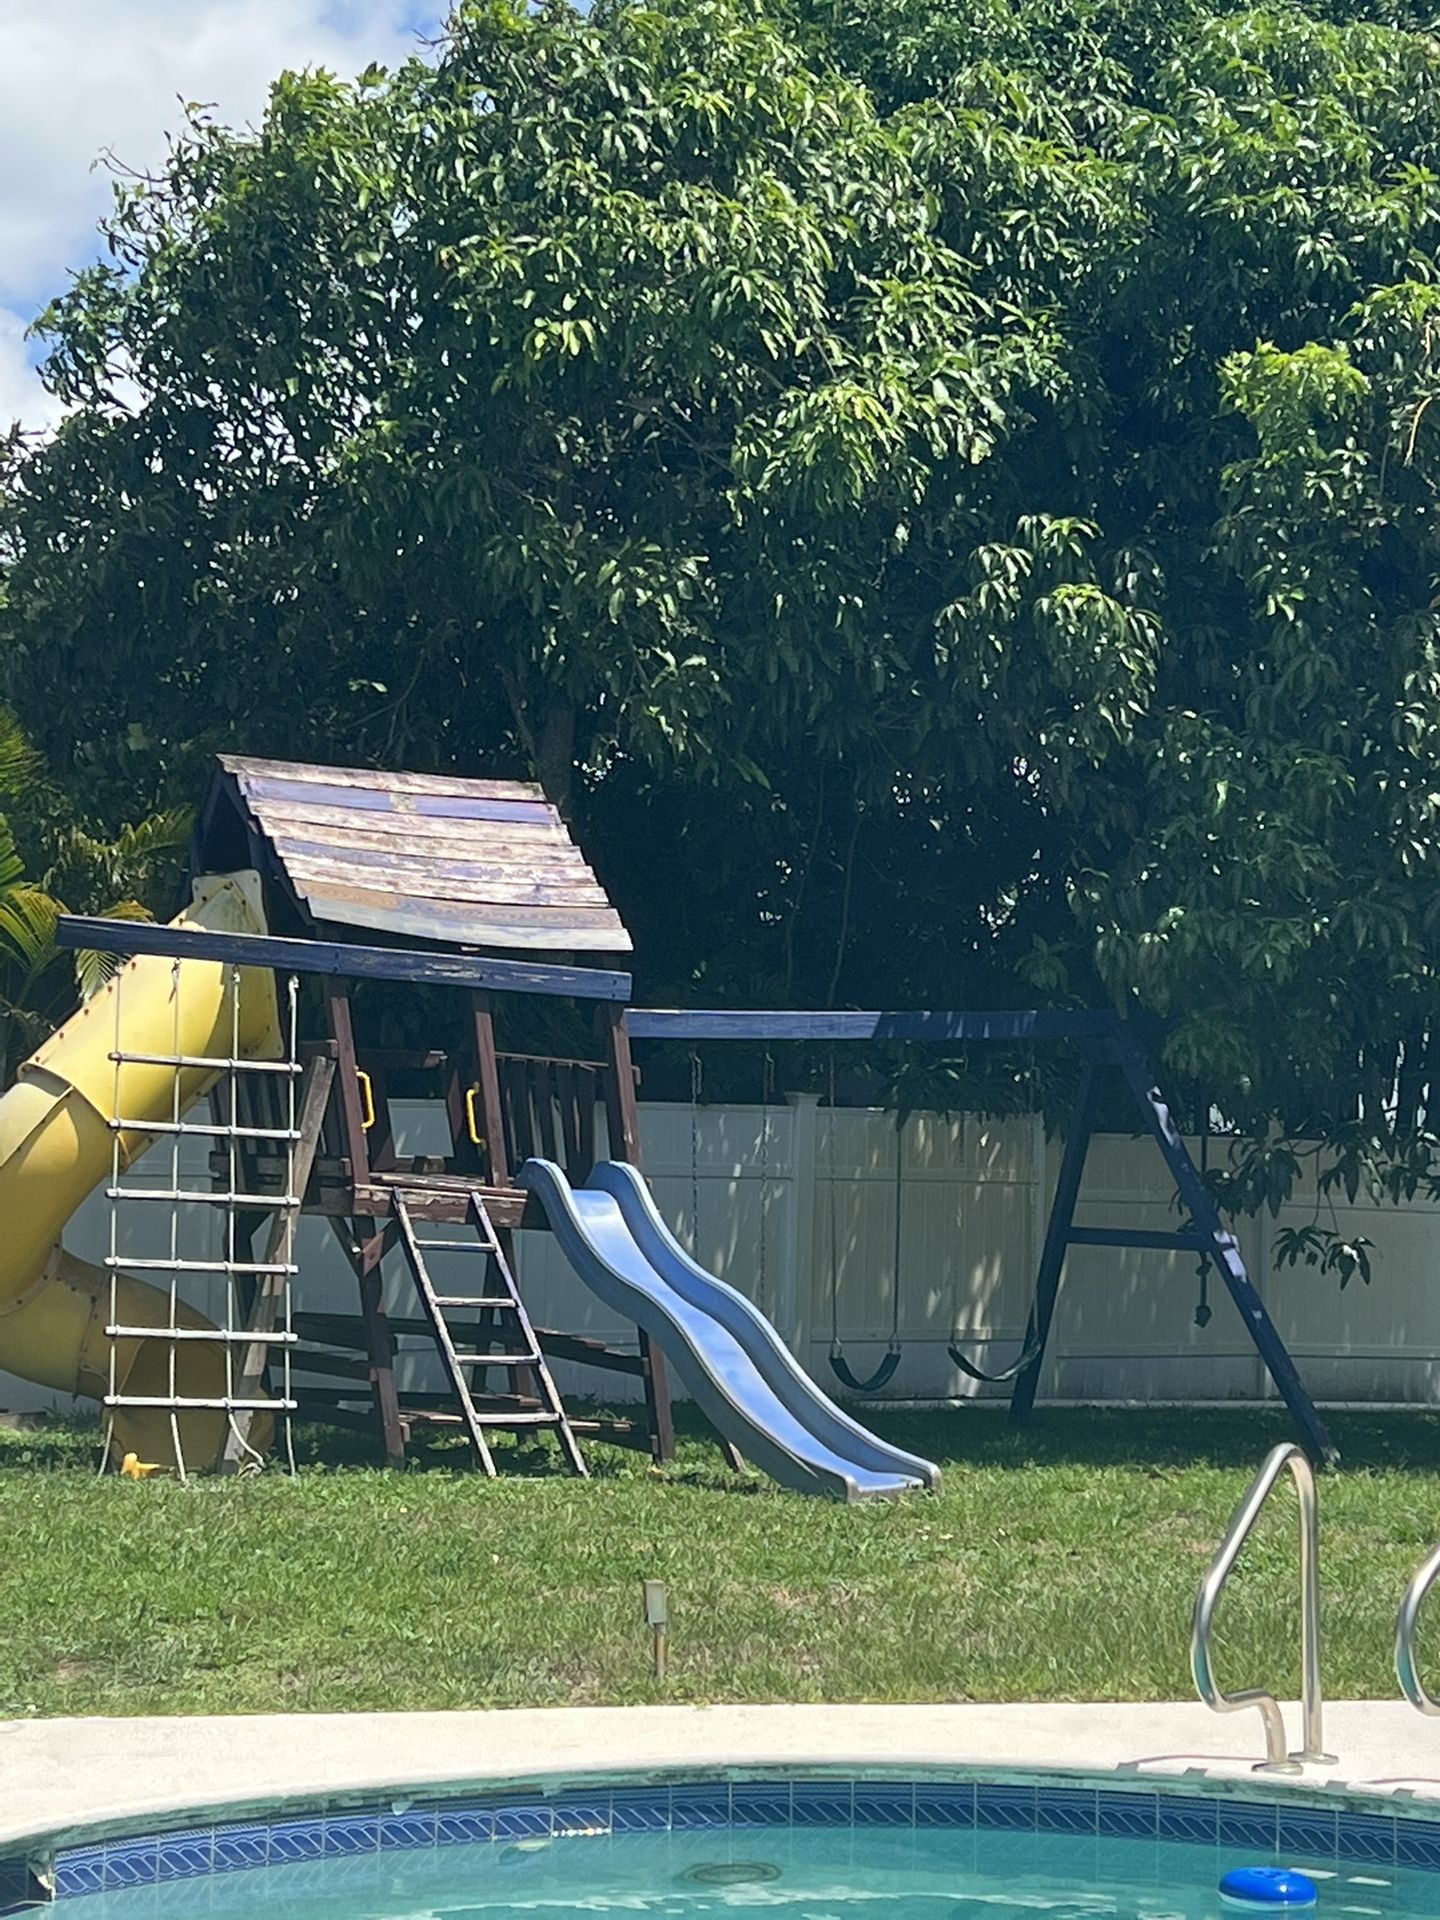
(726, 1353)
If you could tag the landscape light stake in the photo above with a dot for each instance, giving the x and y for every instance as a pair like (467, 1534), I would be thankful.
(657, 1618)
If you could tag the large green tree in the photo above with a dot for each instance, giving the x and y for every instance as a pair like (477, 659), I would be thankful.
(946, 498)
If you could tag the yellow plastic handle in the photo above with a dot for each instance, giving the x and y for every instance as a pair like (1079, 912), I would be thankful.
(472, 1125)
(367, 1092)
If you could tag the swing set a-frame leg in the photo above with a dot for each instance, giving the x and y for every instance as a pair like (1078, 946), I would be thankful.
(1209, 1237)
(1221, 1248)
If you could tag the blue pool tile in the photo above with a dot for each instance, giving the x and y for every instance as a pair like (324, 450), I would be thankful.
(15, 1885)
(79, 1870)
(132, 1863)
(1010, 1809)
(464, 1826)
(945, 1804)
(1131, 1815)
(1243, 1825)
(1196, 1819)
(1066, 1810)
(753, 1804)
(533, 1822)
(185, 1856)
(640, 1810)
(1306, 1830)
(240, 1847)
(294, 1840)
(1417, 1843)
(400, 1831)
(1365, 1836)
(882, 1803)
(350, 1833)
(591, 1815)
(699, 1806)
(821, 1803)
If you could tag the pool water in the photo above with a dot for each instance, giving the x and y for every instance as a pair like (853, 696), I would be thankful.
(752, 1873)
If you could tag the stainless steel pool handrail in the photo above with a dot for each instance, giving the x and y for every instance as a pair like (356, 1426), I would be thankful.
(1406, 1670)
(1242, 1521)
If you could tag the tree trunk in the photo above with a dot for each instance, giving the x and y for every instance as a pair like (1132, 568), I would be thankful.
(549, 741)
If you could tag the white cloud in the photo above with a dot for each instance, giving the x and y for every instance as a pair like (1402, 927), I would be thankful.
(21, 395)
(82, 77)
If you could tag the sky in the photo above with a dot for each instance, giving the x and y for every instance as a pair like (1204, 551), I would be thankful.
(79, 78)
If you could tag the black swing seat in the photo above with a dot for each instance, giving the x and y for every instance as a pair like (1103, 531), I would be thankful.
(1027, 1356)
(881, 1377)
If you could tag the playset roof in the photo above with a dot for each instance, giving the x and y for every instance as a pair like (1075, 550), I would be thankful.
(472, 863)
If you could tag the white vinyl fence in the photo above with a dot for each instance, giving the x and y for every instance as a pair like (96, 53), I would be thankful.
(801, 1217)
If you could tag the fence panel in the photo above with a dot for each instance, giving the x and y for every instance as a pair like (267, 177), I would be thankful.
(801, 1217)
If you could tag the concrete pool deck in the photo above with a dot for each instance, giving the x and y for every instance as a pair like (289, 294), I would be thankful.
(62, 1775)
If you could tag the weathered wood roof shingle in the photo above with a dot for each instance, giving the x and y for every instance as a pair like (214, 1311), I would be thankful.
(475, 863)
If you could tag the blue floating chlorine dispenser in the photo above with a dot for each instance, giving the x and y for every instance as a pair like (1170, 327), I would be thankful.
(1268, 1890)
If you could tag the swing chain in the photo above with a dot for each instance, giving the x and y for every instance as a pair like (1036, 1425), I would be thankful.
(894, 1346)
(697, 1089)
(890, 1359)
(835, 1348)
(767, 1096)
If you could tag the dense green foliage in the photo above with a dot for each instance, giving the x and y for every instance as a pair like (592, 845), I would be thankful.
(48, 861)
(944, 495)
(352, 1588)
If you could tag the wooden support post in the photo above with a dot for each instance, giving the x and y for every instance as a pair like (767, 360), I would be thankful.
(370, 1239)
(352, 1114)
(381, 1343)
(655, 1377)
(622, 1117)
(621, 1112)
(279, 1250)
(1057, 1236)
(370, 1250)
(482, 1021)
(1222, 1249)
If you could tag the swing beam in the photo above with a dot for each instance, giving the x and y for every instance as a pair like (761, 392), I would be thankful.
(1110, 1045)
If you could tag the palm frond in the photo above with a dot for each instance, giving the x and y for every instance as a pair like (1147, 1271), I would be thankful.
(27, 927)
(19, 762)
(161, 832)
(93, 970)
(11, 865)
(85, 866)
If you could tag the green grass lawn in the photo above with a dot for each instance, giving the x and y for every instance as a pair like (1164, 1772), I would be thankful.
(1060, 1562)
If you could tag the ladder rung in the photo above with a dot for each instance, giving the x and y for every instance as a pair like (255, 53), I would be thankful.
(124, 1264)
(181, 1403)
(498, 1359)
(473, 1300)
(455, 1246)
(212, 1129)
(221, 1336)
(205, 1196)
(221, 1063)
(520, 1419)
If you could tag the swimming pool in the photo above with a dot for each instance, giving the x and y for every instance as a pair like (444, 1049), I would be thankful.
(888, 1848)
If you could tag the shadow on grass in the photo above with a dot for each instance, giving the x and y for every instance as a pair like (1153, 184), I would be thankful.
(1160, 1438)
(964, 1439)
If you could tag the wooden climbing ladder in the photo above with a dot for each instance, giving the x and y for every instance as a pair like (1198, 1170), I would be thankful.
(467, 1326)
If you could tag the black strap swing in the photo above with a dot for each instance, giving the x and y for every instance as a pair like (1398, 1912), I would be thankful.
(890, 1359)
(1033, 1345)
(1025, 1358)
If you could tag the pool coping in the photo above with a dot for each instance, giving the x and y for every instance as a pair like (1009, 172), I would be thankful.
(73, 1779)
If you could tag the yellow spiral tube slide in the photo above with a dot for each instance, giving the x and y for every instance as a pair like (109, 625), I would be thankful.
(56, 1144)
